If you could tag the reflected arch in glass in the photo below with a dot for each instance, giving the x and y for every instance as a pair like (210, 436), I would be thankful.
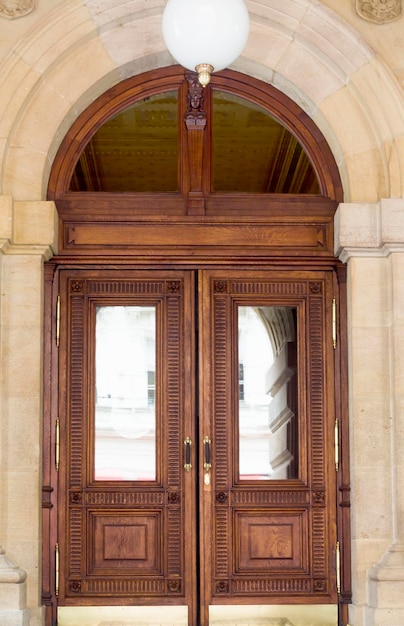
(268, 379)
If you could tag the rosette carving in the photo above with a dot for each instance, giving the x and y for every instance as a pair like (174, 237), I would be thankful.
(11, 9)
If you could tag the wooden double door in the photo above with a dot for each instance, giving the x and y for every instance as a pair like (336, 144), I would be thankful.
(196, 438)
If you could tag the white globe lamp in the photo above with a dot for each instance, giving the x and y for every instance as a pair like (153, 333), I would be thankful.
(205, 35)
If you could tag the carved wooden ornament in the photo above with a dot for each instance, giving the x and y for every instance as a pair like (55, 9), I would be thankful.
(379, 11)
(11, 9)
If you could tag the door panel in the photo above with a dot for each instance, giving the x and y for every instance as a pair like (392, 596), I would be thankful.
(160, 507)
(273, 539)
(124, 529)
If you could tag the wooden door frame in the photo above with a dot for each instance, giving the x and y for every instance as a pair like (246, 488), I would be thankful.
(230, 230)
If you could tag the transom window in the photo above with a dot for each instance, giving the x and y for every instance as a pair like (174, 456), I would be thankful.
(138, 150)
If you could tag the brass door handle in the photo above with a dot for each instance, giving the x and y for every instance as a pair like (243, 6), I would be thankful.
(207, 460)
(187, 444)
(206, 444)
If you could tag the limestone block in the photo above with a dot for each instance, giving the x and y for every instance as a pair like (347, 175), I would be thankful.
(371, 501)
(23, 173)
(12, 595)
(105, 12)
(387, 617)
(22, 496)
(334, 39)
(266, 45)
(22, 292)
(35, 223)
(392, 220)
(27, 553)
(368, 175)
(371, 442)
(370, 362)
(14, 618)
(386, 104)
(23, 451)
(16, 80)
(138, 38)
(287, 16)
(6, 217)
(388, 594)
(397, 268)
(395, 148)
(370, 303)
(357, 225)
(354, 131)
(22, 26)
(365, 553)
(12, 584)
(51, 37)
(43, 112)
(21, 354)
(386, 588)
(312, 74)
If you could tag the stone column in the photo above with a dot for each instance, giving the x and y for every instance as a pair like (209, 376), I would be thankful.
(12, 593)
(370, 238)
(27, 238)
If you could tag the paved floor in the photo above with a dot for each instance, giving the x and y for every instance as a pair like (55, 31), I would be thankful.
(319, 615)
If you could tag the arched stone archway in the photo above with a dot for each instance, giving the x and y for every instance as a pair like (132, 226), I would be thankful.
(50, 76)
(291, 48)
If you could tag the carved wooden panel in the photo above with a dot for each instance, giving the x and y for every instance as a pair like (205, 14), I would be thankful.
(280, 533)
(126, 543)
(269, 542)
(125, 538)
(206, 236)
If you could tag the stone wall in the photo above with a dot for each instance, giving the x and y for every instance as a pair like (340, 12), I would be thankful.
(347, 77)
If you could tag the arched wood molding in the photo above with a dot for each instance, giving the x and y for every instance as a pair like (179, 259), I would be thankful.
(299, 224)
(127, 92)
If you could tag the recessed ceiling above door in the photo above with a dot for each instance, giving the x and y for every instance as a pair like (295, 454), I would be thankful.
(137, 150)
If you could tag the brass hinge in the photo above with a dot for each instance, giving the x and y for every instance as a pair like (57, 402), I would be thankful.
(338, 567)
(336, 444)
(57, 569)
(58, 321)
(334, 323)
(57, 444)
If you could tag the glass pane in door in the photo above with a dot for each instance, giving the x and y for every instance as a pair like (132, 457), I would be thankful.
(125, 419)
(267, 372)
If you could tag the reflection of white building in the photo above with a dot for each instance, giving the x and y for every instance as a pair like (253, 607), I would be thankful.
(267, 410)
(125, 421)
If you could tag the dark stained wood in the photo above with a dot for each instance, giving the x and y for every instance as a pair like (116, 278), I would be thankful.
(124, 541)
(49, 475)
(343, 476)
(151, 238)
(195, 122)
(274, 540)
(258, 544)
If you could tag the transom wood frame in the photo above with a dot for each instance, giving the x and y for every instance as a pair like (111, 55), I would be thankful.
(292, 233)
(117, 221)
